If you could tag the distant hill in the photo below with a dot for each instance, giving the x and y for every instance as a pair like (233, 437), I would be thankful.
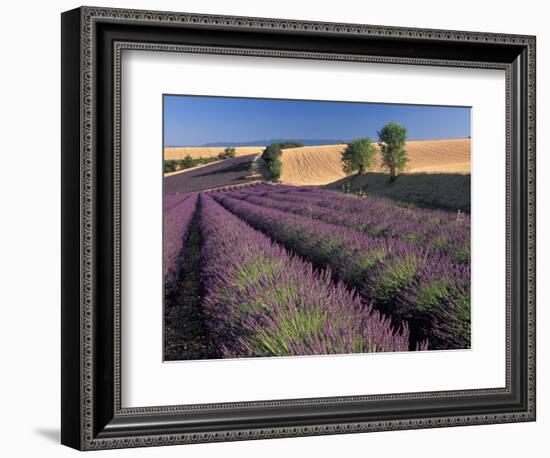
(306, 142)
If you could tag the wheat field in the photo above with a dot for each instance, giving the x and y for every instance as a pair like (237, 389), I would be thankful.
(320, 165)
(173, 153)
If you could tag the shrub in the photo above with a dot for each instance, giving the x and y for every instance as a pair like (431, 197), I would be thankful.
(169, 166)
(228, 153)
(187, 162)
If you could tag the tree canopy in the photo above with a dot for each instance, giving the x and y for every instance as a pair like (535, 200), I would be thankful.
(392, 140)
(272, 154)
(358, 155)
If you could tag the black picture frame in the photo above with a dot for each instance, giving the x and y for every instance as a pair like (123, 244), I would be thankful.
(92, 40)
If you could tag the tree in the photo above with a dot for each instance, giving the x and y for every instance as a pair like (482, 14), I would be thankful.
(271, 156)
(358, 156)
(276, 168)
(273, 152)
(392, 139)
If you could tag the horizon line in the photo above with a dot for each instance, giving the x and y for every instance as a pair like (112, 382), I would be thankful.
(243, 144)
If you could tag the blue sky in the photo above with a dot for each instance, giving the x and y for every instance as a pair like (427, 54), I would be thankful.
(194, 121)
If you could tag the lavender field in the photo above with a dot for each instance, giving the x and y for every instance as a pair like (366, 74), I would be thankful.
(227, 172)
(276, 270)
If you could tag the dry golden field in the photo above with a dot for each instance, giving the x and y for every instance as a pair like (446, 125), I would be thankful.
(196, 152)
(312, 165)
(320, 165)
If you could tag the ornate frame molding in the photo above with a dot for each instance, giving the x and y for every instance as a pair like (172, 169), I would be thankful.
(89, 436)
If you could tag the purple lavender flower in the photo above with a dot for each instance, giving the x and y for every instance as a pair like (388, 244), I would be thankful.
(384, 270)
(261, 300)
(374, 216)
(177, 219)
(227, 172)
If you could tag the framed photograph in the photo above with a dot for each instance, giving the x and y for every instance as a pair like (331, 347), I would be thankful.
(276, 228)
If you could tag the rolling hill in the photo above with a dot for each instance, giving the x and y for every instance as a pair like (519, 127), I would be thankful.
(320, 165)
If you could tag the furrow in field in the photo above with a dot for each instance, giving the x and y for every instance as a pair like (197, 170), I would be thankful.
(176, 227)
(184, 333)
(172, 200)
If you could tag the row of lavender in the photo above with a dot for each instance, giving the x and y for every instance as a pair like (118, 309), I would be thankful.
(426, 284)
(260, 301)
(227, 172)
(439, 230)
(178, 213)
